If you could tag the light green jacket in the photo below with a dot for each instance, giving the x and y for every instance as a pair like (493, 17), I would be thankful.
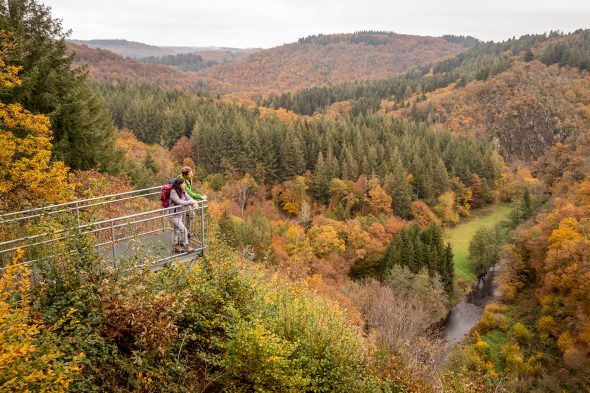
(189, 191)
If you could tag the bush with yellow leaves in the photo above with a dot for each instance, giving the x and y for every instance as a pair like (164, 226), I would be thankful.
(30, 357)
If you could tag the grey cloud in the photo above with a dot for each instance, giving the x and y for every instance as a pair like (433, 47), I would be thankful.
(267, 23)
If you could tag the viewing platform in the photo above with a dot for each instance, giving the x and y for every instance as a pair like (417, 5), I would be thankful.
(117, 226)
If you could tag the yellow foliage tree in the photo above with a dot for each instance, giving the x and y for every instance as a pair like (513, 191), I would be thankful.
(29, 358)
(324, 240)
(291, 195)
(27, 175)
(445, 208)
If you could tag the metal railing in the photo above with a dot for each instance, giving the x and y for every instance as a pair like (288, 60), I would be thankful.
(106, 222)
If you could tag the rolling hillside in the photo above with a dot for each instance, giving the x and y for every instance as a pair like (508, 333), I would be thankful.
(104, 65)
(338, 58)
(129, 48)
(526, 94)
(525, 109)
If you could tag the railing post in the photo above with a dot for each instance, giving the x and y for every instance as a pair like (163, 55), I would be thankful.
(113, 242)
(77, 215)
(203, 227)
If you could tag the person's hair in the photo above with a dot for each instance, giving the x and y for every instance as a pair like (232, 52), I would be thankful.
(185, 170)
(176, 186)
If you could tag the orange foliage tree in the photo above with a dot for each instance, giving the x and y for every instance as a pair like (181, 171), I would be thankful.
(422, 214)
(379, 202)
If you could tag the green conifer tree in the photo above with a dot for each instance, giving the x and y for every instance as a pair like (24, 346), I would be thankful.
(83, 130)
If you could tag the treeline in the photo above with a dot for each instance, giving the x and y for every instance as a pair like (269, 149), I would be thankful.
(155, 115)
(375, 38)
(573, 53)
(411, 159)
(371, 37)
(482, 61)
(466, 41)
(360, 37)
(182, 61)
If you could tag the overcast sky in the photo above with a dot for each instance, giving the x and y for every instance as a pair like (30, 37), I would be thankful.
(268, 23)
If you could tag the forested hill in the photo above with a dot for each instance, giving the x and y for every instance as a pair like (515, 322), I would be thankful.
(526, 93)
(318, 60)
(108, 66)
(482, 61)
(313, 61)
(131, 48)
(526, 109)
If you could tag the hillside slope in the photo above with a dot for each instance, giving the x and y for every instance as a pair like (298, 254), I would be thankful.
(339, 58)
(107, 66)
(525, 109)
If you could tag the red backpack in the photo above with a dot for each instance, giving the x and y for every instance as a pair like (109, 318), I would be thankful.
(165, 195)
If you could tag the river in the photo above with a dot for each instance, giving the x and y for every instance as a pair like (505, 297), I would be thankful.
(467, 313)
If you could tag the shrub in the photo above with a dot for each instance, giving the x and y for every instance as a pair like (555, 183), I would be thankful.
(30, 355)
(520, 333)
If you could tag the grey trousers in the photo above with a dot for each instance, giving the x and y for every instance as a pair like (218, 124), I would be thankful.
(189, 218)
(180, 234)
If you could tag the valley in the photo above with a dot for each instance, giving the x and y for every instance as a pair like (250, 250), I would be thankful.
(361, 187)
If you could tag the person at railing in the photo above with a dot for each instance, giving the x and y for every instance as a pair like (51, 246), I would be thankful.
(180, 201)
(187, 175)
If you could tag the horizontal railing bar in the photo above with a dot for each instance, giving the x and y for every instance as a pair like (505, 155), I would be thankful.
(200, 207)
(78, 201)
(71, 209)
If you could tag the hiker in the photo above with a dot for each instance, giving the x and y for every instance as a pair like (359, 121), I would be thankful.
(179, 197)
(187, 175)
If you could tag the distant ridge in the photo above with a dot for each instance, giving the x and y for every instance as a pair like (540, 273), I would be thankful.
(137, 50)
(312, 61)
(108, 66)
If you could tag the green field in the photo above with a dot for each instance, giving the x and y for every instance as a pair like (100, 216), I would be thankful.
(461, 235)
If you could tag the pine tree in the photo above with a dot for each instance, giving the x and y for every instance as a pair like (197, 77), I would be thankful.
(396, 185)
(526, 207)
(332, 166)
(448, 270)
(320, 179)
(85, 134)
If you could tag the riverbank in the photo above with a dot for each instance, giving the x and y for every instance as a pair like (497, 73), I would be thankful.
(467, 312)
(460, 236)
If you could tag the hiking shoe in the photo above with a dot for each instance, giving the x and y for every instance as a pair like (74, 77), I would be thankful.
(178, 248)
(189, 249)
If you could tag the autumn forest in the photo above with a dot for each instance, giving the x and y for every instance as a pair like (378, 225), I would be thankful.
(362, 188)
